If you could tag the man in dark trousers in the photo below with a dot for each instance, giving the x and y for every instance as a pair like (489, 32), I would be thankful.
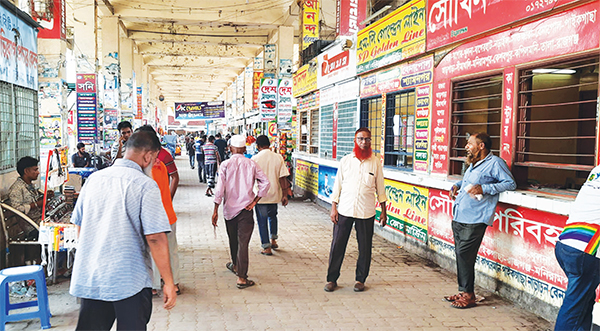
(359, 178)
(221, 145)
(476, 199)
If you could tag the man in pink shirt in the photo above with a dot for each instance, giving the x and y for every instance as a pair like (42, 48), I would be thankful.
(237, 177)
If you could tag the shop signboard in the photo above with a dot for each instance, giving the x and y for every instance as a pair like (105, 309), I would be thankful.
(508, 104)
(449, 21)
(310, 22)
(340, 93)
(397, 36)
(335, 65)
(305, 79)
(407, 209)
(568, 32)
(52, 19)
(284, 104)
(326, 180)
(350, 15)
(268, 99)
(403, 76)
(422, 128)
(18, 62)
(87, 122)
(138, 94)
(199, 110)
(256, 77)
(307, 176)
(518, 249)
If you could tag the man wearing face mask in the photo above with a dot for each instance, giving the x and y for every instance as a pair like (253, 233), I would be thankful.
(476, 199)
(121, 222)
(358, 179)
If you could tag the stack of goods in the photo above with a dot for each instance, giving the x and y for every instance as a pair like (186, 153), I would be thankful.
(57, 237)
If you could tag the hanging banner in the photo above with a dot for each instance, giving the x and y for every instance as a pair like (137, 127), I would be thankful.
(53, 20)
(453, 20)
(138, 113)
(199, 110)
(256, 77)
(407, 209)
(87, 122)
(268, 99)
(310, 22)
(396, 37)
(508, 102)
(350, 14)
(305, 78)
(18, 60)
(284, 104)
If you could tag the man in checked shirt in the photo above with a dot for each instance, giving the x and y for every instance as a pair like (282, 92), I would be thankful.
(359, 177)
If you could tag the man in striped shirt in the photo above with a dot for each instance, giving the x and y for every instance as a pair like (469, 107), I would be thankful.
(211, 162)
(577, 254)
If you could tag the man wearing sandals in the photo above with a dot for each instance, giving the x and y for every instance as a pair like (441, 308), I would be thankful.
(359, 178)
(473, 211)
(237, 177)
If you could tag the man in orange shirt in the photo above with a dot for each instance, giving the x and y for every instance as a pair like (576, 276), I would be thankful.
(160, 175)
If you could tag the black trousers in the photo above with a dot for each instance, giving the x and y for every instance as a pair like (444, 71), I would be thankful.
(467, 239)
(341, 234)
(201, 173)
(239, 231)
(132, 313)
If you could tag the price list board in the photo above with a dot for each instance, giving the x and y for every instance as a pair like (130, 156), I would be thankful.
(87, 123)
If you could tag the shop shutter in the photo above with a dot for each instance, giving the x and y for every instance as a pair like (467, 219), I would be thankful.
(346, 127)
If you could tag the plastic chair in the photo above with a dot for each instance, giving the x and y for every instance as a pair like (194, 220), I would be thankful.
(16, 274)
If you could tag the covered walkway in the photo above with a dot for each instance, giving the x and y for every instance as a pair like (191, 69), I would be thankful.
(404, 292)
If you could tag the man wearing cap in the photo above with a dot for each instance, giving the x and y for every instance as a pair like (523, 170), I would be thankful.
(237, 177)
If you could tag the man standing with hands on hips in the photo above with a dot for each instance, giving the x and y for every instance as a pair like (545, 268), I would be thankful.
(358, 179)
(476, 199)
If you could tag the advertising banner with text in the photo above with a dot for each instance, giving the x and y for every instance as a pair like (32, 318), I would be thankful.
(350, 14)
(307, 176)
(310, 22)
(18, 51)
(305, 78)
(199, 110)
(396, 37)
(268, 99)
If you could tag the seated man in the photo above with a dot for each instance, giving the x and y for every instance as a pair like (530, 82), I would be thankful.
(81, 159)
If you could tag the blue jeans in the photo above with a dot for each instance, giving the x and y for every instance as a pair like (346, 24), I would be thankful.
(264, 212)
(583, 272)
(192, 159)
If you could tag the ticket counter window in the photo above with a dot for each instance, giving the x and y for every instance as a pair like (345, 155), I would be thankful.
(400, 130)
(370, 117)
(556, 125)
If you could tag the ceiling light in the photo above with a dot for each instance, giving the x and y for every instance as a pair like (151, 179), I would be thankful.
(554, 71)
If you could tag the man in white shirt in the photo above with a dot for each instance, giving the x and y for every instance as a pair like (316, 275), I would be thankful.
(358, 179)
(273, 166)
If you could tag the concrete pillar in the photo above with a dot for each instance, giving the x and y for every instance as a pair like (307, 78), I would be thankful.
(127, 79)
(111, 66)
(84, 34)
(285, 51)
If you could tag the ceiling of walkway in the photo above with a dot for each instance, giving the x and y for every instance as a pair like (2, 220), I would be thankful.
(195, 48)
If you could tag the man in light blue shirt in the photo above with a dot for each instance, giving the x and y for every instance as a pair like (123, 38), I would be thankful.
(476, 199)
(121, 221)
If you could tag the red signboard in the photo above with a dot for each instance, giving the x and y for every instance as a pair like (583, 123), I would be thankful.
(517, 249)
(335, 131)
(350, 14)
(52, 19)
(508, 104)
(86, 83)
(449, 21)
(572, 31)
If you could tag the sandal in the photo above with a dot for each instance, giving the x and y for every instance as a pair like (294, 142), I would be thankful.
(463, 303)
(452, 298)
(178, 289)
(266, 252)
(248, 283)
(231, 267)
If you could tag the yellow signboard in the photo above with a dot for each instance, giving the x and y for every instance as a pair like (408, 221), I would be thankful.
(407, 208)
(397, 36)
(305, 79)
(310, 22)
(307, 176)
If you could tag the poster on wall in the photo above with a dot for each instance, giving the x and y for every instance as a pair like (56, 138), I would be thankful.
(50, 134)
(407, 209)
(307, 176)
(518, 249)
(400, 35)
(268, 99)
(87, 121)
(19, 62)
(270, 65)
(326, 180)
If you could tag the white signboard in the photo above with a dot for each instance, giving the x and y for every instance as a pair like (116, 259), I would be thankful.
(336, 65)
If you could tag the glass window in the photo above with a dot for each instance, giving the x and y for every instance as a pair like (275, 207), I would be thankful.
(400, 129)
(303, 136)
(370, 117)
(314, 131)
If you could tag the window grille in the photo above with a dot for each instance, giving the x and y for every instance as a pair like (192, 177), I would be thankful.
(314, 131)
(476, 107)
(19, 125)
(557, 124)
(400, 129)
(303, 132)
(326, 139)
(370, 117)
